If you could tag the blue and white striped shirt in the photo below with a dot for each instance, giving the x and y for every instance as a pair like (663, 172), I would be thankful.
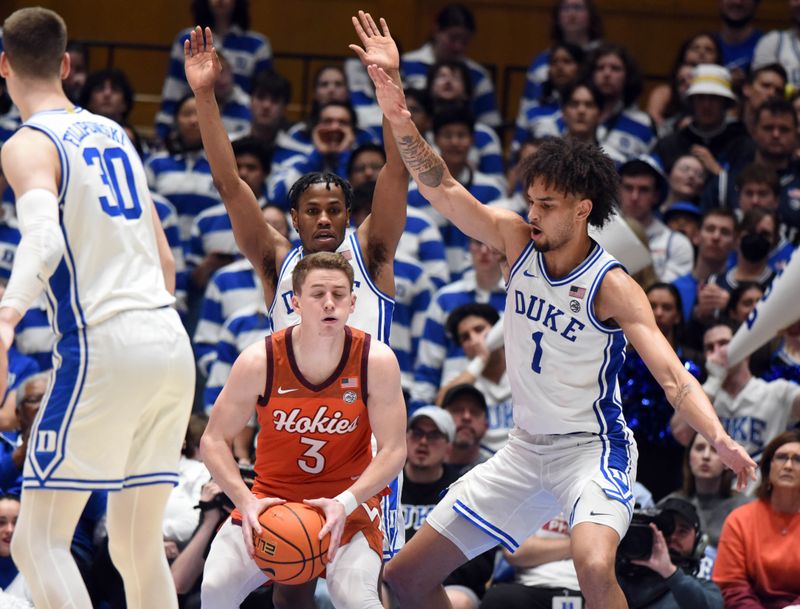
(413, 293)
(422, 241)
(245, 327)
(247, 52)
(212, 232)
(414, 67)
(439, 359)
(186, 181)
(169, 222)
(231, 288)
(482, 187)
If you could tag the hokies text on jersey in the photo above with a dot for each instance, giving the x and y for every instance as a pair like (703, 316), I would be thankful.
(292, 422)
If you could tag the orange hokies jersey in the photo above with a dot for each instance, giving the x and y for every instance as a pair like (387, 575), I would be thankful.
(314, 439)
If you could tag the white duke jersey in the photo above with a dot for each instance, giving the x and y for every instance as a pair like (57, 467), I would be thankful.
(111, 263)
(563, 361)
(373, 312)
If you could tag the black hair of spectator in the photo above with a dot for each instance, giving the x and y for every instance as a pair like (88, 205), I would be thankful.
(368, 147)
(117, 78)
(534, 140)
(569, 91)
(454, 65)
(135, 138)
(577, 169)
(174, 144)
(595, 22)
(269, 83)
(254, 147)
(453, 114)
(320, 177)
(770, 67)
(316, 112)
(724, 321)
(476, 309)
(757, 173)
(5, 100)
(680, 57)
(738, 292)
(637, 168)
(362, 198)
(676, 296)
(10, 497)
(204, 17)
(723, 212)
(456, 15)
(777, 106)
(676, 104)
(754, 216)
(578, 55)
(689, 488)
(73, 46)
(422, 98)
(633, 76)
(764, 489)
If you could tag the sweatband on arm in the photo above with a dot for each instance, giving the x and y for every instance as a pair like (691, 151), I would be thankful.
(348, 500)
(40, 249)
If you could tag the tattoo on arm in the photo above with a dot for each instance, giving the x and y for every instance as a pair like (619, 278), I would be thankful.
(682, 393)
(421, 160)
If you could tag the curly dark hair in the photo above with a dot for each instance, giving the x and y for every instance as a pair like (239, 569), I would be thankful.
(476, 309)
(319, 177)
(577, 169)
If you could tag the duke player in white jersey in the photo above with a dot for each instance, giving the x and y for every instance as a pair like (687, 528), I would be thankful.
(116, 411)
(320, 205)
(568, 304)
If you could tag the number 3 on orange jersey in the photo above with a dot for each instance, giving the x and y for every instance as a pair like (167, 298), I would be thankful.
(318, 463)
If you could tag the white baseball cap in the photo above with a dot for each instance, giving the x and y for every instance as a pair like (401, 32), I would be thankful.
(440, 417)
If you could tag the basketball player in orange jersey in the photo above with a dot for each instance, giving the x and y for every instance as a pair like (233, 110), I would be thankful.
(319, 389)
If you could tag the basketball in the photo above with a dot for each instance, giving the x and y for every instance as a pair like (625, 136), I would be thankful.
(289, 550)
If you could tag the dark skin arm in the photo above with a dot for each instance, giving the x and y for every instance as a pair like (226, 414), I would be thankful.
(381, 231)
(263, 246)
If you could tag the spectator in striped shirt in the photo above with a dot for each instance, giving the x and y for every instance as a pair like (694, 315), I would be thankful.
(453, 134)
(234, 103)
(439, 358)
(268, 100)
(452, 33)
(576, 22)
(248, 52)
(449, 85)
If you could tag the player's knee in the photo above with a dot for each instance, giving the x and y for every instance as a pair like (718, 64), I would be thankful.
(20, 548)
(401, 580)
(595, 571)
(354, 588)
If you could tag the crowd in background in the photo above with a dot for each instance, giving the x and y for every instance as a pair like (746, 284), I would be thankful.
(709, 163)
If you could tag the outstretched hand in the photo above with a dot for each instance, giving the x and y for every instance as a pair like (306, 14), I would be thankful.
(390, 97)
(379, 46)
(736, 458)
(200, 60)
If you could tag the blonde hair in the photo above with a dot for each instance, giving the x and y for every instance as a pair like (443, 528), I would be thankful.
(329, 261)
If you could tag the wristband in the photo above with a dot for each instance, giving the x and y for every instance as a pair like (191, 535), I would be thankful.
(348, 500)
(476, 366)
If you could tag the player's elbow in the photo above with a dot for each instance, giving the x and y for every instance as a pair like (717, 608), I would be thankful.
(229, 185)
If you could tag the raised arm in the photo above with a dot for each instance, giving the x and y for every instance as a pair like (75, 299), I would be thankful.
(622, 300)
(263, 246)
(501, 229)
(382, 229)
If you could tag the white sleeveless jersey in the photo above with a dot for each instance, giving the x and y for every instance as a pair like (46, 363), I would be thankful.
(111, 262)
(562, 361)
(373, 313)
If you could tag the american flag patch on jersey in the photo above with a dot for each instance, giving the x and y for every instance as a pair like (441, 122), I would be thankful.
(576, 292)
(349, 382)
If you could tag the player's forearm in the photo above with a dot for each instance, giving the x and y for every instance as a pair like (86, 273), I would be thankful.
(216, 143)
(537, 551)
(384, 467)
(692, 405)
(219, 459)
(188, 566)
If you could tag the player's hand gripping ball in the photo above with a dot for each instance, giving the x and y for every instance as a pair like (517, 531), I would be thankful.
(289, 550)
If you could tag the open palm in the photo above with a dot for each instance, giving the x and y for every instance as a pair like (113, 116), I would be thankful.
(200, 60)
(379, 46)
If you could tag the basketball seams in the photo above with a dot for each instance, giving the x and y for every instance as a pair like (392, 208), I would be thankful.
(301, 513)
